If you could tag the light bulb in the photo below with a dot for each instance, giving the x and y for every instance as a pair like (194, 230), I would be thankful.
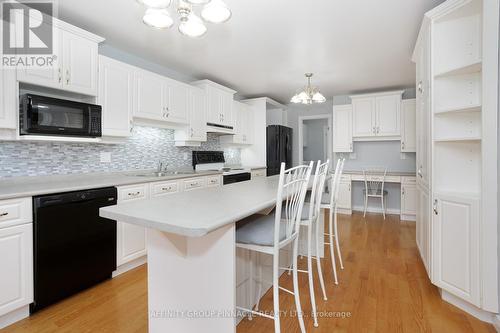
(158, 18)
(193, 26)
(318, 98)
(295, 99)
(216, 11)
(157, 4)
(198, 2)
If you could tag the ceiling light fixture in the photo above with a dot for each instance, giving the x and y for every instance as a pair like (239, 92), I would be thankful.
(309, 94)
(213, 11)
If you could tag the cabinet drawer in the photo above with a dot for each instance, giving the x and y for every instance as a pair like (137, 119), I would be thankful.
(345, 178)
(164, 188)
(258, 173)
(194, 183)
(134, 192)
(409, 180)
(213, 181)
(15, 212)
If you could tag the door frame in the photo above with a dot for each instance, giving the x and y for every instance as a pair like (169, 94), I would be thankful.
(329, 148)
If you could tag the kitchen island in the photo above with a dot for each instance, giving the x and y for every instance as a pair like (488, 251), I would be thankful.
(191, 252)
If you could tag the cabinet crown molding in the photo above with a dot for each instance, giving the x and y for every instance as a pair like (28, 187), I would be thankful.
(383, 93)
(213, 84)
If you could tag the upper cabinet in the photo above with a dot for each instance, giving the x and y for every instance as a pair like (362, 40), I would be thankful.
(196, 130)
(157, 98)
(219, 106)
(116, 80)
(342, 124)
(408, 126)
(75, 65)
(8, 99)
(377, 115)
(243, 126)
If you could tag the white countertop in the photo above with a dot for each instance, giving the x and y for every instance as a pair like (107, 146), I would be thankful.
(196, 213)
(389, 173)
(29, 186)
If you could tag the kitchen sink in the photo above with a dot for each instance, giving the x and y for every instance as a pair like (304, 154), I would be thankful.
(163, 174)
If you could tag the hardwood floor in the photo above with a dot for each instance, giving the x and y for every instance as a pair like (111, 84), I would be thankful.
(383, 288)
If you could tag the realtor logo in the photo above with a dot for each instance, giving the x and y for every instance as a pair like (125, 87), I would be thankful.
(27, 37)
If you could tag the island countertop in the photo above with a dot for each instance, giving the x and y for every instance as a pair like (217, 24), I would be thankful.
(197, 213)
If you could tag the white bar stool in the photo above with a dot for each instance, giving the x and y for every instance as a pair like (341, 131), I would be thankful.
(374, 186)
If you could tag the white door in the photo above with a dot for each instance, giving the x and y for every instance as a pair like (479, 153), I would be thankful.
(80, 64)
(214, 106)
(116, 81)
(342, 128)
(246, 123)
(227, 109)
(344, 200)
(455, 235)
(408, 126)
(408, 199)
(363, 117)
(8, 99)
(51, 77)
(149, 96)
(198, 109)
(177, 105)
(16, 279)
(388, 110)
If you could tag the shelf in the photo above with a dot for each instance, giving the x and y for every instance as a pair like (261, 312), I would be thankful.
(459, 109)
(474, 67)
(457, 139)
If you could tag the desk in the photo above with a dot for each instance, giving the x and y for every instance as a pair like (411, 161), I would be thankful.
(408, 192)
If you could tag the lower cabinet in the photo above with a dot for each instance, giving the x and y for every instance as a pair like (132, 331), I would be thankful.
(408, 198)
(16, 262)
(455, 247)
(259, 173)
(423, 232)
(344, 203)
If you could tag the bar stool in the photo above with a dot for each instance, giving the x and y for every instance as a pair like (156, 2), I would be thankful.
(268, 234)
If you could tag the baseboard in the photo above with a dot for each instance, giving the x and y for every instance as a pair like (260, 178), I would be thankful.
(469, 308)
(496, 322)
(411, 218)
(130, 265)
(344, 211)
(377, 210)
(14, 316)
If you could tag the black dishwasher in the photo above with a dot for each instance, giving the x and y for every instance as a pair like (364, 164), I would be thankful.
(74, 248)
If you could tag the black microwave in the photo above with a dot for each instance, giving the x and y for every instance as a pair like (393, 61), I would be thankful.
(42, 115)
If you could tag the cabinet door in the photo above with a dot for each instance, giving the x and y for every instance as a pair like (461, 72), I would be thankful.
(455, 235)
(177, 102)
(50, 77)
(149, 96)
(408, 199)
(131, 239)
(342, 133)
(388, 111)
(214, 106)
(198, 115)
(16, 279)
(227, 109)
(363, 115)
(115, 96)
(8, 99)
(423, 232)
(246, 124)
(344, 200)
(408, 127)
(80, 64)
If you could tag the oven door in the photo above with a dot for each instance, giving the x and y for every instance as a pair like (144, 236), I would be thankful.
(52, 116)
(236, 178)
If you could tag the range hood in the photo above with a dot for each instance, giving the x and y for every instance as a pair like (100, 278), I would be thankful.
(220, 129)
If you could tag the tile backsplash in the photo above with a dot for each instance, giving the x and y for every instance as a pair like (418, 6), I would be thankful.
(142, 150)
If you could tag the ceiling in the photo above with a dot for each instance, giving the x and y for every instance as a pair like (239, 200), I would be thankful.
(264, 50)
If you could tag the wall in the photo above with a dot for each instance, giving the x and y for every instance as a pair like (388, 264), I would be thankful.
(142, 150)
(367, 153)
(315, 149)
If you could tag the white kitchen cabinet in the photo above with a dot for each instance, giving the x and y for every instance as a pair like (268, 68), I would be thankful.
(408, 126)
(258, 173)
(16, 279)
(160, 99)
(344, 204)
(116, 80)
(193, 183)
(160, 189)
(76, 64)
(131, 239)
(377, 115)
(219, 105)
(408, 198)
(342, 124)
(196, 130)
(214, 181)
(243, 126)
(455, 245)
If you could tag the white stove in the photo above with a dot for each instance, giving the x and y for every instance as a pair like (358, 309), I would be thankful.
(214, 161)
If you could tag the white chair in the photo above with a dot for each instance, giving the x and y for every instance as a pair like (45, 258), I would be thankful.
(269, 234)
(374, 186)
(310, 219)
(329, 201)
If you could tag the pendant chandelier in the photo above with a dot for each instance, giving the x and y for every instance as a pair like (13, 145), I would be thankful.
(190, 24)
(309, 94)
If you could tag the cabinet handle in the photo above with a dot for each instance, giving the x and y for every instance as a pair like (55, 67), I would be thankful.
(420, 90)
(378, 129)
(402, 145)
(213, 181)
(403, 191)
(67, 76)
(4, 214)
(59, 71)
(373, 130)
(131, 126)
(134, 194)
(435, 207)
(166, 188)
(191, 132)
(350, 146)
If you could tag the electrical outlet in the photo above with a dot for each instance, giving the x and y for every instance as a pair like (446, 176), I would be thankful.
(105, 157)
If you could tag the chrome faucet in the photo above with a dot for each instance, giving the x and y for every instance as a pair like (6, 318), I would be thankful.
(161, 167)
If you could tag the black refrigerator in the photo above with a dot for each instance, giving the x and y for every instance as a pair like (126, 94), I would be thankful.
(279, 148)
